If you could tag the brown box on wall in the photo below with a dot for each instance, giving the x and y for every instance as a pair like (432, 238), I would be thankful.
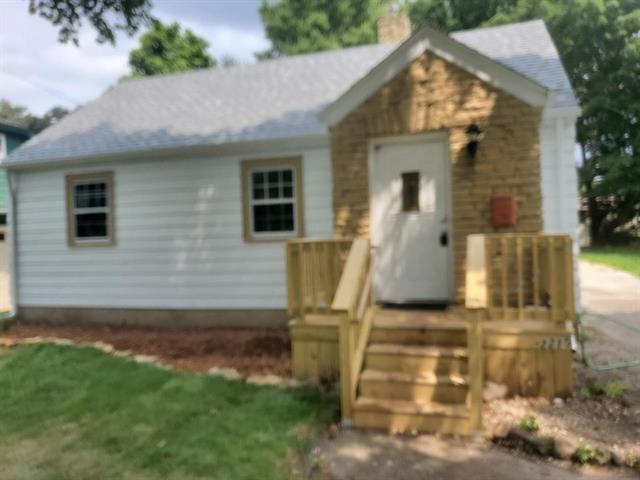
(504, 210)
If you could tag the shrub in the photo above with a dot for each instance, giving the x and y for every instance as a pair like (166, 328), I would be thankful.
(530, 424)
(585, 453)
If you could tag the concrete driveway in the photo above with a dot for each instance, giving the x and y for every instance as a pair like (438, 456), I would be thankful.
(356, 455)
(611, 301)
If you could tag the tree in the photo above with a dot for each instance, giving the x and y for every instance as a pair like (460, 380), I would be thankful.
(106, 16)
(19, 115)
(599, 42)
(449, 15)
(167, 49)
(301, 26)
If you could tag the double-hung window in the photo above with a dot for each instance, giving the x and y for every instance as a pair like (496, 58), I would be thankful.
(272, 199)
(90, 209)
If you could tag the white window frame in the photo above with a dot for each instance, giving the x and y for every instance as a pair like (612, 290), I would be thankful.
(249, 167)
(72, 211)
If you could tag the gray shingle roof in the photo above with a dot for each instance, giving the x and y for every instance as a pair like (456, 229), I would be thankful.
(526, 48)
(263, 101)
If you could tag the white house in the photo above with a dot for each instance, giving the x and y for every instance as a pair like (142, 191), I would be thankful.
(168, 199)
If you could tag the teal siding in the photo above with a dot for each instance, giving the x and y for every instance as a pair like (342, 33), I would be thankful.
(14, 140)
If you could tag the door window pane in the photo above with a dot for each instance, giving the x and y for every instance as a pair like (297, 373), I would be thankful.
(411, 192)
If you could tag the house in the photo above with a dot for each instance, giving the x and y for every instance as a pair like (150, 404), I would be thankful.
(169, 201)
(11, 136)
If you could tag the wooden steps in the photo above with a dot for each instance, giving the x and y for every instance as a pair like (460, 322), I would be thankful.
(414, 375)
(416, 358)
(403, 416)
(420, 388)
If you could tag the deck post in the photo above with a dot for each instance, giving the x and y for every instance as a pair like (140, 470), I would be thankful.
(346, 348)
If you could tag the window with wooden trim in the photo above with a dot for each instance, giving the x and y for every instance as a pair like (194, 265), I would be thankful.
(272, 198)
(90, 213)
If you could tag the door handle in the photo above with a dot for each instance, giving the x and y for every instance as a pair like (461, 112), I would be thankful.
(444, 239)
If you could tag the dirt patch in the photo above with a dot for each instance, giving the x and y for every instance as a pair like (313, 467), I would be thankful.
(250, 351)
(598, 419)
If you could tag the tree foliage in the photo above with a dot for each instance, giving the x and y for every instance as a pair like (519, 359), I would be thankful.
(169, 49)
(599, 42)
(19, 115)
(106, 16)
(301, 26)
(449, 15)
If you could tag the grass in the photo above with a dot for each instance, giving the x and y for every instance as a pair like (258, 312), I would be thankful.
(76, 413)
(617, 257)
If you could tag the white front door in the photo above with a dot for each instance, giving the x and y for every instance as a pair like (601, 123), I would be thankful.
(410, 219)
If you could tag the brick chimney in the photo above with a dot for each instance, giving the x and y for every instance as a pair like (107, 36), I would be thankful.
(394, 26)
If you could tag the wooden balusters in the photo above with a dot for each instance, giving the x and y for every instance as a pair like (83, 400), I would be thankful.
(314, 268)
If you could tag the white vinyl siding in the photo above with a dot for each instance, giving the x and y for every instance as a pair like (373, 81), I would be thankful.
(559, 178)
(180, 240)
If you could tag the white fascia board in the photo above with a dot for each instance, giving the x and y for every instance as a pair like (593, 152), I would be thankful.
(449, 49)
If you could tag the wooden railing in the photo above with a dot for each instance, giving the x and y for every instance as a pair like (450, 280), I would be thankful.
(314, 268)
(521, 276)
(475, 358)
(352, 301)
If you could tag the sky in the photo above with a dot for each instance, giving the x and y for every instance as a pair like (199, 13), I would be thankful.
(39, 72)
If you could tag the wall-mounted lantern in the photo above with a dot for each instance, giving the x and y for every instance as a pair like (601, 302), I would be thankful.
(473, 136)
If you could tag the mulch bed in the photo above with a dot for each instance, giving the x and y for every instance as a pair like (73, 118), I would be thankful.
(250, 351)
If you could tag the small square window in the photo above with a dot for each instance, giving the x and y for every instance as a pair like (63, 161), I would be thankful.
(411, 192)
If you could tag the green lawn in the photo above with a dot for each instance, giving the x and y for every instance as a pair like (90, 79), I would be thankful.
(616, 257)
(76, 413)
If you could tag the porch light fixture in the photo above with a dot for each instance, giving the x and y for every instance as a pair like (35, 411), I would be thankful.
(473, 135)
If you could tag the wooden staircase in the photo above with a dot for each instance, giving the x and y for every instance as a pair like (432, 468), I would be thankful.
(415, 374)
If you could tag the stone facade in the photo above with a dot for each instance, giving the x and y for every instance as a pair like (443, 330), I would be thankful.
(430, 95)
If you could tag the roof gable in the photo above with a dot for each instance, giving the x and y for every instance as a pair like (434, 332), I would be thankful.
(451, 50)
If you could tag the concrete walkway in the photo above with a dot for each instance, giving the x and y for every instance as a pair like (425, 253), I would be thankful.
(611, 301)
(356, 455)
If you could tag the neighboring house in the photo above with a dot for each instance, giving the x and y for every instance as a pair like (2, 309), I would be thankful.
(11, 136)
(168, 200)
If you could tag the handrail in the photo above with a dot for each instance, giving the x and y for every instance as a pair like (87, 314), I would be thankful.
(352, 298)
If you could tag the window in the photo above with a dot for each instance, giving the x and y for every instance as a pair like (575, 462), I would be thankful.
(272, 199)
(90, 219)
(411, 192)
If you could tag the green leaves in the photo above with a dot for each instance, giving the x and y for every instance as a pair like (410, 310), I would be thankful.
(302, 26)
(106, 16)
(168, 49)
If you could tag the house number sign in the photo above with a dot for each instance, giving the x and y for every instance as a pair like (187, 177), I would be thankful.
(555, 343)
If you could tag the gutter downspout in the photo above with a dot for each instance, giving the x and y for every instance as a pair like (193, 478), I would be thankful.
(13, 243)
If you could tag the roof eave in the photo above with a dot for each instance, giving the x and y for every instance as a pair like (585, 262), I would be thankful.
(255, 147)
(427, 38)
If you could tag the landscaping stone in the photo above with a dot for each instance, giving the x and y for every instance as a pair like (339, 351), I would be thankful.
(499, 430)
(618, 456)
(603, 456)
(558, 402)
(228, 373)
(267, 380)
(565, 447)
(542, 445)
(494, 391)
(145, 359)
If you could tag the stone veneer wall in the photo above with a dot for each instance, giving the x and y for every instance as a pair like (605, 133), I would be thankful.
(430, 95)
